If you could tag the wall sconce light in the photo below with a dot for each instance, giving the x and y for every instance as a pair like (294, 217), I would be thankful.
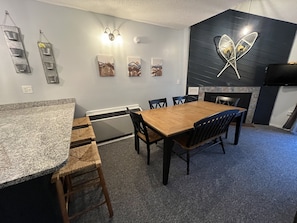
(247, 28)
(114, 35)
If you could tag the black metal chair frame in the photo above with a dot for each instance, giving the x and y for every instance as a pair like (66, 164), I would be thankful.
(158, 103)
(207, 130)
(180, 99)
(227, 100)
(143, 132)
(191, 98)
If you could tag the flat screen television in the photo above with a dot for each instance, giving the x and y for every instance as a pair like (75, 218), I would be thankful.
(281, 75)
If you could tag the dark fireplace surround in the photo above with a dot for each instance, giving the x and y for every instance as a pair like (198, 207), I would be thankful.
(248, 97)
(244, 101)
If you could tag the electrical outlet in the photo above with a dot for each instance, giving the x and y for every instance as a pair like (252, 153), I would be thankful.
(27, 89)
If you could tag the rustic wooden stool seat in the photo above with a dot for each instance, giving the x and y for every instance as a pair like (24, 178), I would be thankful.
(81, 122)
(82, 136)
(81, 160)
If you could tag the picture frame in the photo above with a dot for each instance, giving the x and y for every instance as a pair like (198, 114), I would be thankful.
(156, 67)
(134, 66)
(106, 65)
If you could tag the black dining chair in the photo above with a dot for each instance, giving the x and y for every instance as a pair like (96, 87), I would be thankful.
(143, 132)
(227, 101)
(207, 130)
(191, 98)
(158, 103)
(180, 99)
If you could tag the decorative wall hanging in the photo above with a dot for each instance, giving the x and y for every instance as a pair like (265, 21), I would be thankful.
(106, 66)
(231, 52)
(48, 60)
(14, 41)
(134, 66)
(156, 66)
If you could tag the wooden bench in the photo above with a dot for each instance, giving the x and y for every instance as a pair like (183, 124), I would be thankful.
(207, 130)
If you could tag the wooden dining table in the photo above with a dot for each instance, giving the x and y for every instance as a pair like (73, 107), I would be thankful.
(174, 120)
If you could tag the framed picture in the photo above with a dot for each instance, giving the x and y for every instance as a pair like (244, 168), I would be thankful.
(134, 66)
(156, 67)
(106, 66)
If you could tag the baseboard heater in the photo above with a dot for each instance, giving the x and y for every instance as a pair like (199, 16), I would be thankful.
(112, 124)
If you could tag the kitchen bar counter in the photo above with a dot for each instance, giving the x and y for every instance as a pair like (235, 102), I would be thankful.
(34, 139)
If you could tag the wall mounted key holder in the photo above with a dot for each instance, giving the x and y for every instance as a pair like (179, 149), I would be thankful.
(14, 41)
(48, 60)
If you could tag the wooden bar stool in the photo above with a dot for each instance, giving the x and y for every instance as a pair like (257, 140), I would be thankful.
(82, 136)
(82, 160)
(81, 122)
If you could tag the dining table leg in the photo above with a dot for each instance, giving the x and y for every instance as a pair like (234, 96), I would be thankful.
(168, 143)
(239, 121)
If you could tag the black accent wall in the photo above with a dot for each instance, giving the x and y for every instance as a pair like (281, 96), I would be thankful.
(273, 45)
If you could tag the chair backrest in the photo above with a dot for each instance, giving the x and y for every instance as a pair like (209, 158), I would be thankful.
(227, 100)
(191, 98)
(158, 103)
(211, 127)
(138, 123)
(180, 99)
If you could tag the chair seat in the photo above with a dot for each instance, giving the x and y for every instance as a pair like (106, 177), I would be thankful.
(184, 139)
(82, 160)
(82, 136)
(152, 135)
(81, 122)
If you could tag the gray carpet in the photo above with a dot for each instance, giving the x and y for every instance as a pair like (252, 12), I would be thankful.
(255, 181)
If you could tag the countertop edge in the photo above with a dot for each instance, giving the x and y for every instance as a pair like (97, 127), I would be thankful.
(15, 106)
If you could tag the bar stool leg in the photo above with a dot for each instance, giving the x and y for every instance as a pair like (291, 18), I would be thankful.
(61, 198)
(68, 187)
(104, 189)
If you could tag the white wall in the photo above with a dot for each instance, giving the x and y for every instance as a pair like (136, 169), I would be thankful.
(76, 38)
(287, 97)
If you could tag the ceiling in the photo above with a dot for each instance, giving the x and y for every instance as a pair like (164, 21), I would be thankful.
(179, 14)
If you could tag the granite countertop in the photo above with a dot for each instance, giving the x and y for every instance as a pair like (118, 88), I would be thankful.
(34, 139)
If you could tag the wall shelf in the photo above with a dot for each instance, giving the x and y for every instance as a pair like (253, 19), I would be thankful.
(12, 35)
(48, 62)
